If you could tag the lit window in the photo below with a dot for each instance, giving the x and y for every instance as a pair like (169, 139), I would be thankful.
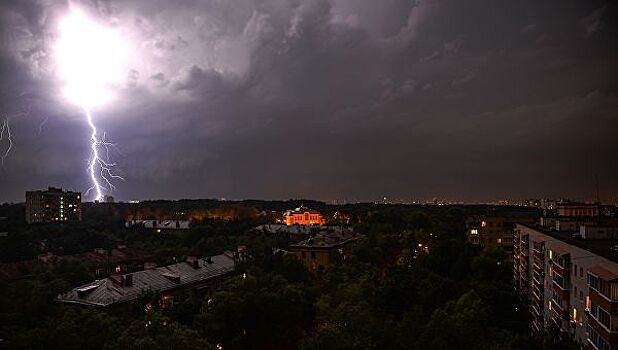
(499, 240)
(483, 223)
(474, 231)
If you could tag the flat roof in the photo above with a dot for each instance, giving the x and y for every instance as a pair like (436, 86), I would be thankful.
(600, 247)
(107, 291)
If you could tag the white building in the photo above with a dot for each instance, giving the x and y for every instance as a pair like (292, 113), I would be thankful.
(160, 224)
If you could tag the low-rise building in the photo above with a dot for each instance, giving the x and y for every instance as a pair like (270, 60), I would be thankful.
(165, 281)
(548, 222)
(571, 224)
(573, 209)
(598, 232)
(281, 228)
(303, 216)
(322, 248)
(300, 231)
(103, 262)
(160, 224)
(100, 262)
(569, 282)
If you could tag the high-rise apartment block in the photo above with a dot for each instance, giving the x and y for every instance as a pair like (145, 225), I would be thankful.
(570, 280)
(53, 205)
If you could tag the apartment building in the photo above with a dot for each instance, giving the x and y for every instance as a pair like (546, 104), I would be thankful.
(570, 282)
(119, 289)
(496, 231)
(320, 250)
(53, 205)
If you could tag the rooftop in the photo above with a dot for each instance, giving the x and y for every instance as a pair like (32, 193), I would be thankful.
(601, 247)
(100, 257)
(111, 290)
(58, 190)
(301, 210)
(328, 239)
(299, 229)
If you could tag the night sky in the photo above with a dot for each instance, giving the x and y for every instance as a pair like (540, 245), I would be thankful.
(342, 99)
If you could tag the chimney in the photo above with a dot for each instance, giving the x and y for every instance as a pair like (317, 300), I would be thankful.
(127, 280)
(100, 251)
(193, 261)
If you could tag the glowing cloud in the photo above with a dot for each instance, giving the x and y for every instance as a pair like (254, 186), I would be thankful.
(90, 60)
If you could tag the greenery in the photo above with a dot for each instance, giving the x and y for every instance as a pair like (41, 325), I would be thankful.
(387, 293)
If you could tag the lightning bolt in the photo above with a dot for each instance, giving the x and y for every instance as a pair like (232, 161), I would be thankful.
(6, 130)
(41, 126)
(100, 170)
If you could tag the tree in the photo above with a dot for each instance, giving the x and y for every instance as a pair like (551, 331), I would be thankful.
(157, 332)
(259, 311)
(461, 324)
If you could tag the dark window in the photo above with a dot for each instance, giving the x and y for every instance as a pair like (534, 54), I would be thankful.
(596, 339)
(603, 317)
(593, 281)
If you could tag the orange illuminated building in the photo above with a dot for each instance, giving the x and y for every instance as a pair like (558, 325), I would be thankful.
(303, 216)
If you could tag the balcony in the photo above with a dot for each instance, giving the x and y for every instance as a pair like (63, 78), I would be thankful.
(537, 281)
(604, 283)
(523, 276)
(537, 266)
(559, 312)
(564, 288)
(536, 294)
(535, 310)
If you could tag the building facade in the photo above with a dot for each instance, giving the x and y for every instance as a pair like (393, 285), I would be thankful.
(53, 205)
(493, 231)
(303, 216)
(321, 249)
(579, 210)
(159, 224)
(571, 283)
(196, 274)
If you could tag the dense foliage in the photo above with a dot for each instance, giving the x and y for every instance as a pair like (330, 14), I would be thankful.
(387, 293)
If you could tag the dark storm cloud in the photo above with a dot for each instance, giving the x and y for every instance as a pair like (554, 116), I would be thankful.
(334, 99)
